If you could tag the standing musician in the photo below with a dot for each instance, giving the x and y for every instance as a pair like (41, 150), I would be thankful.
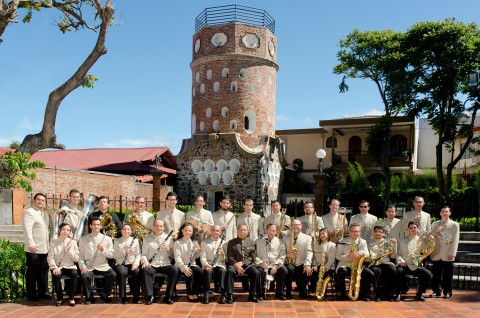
(308, 220)
(226, 219)
(212, 258)
(299, 259)
(447, 235)
(35, 229)
(241, 260)
(62, 255)
(323, 250)
(103, 204)
(406, 250)
(334, 222)
(365, 220)
(155, 259)
(72, 211)
(126, 251)
(384, 270)
(276, 218)
(418, 216)
(186, 249)
(171, 216)
(345, 259)
(391, 225)
(250, 219)
(202, 217)
(94, 250)
(271, 253)
(143, 216)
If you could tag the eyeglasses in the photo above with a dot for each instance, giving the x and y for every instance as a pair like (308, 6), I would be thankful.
(139, 202)
(363, 206)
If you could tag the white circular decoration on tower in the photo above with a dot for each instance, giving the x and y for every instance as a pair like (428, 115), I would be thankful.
(209, 165)
(221, 165)
(250, 40)
(234, 165)
(227, 177)
(215, 178)
(196, 166)
(202, 178)
(219, 39)
(197, 45)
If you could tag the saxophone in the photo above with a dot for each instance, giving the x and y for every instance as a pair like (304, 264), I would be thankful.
(356, 269)
(322, 283)
(108, 226)
(292, 249)
(139, 230)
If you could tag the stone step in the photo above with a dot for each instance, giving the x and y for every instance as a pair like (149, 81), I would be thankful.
(10, 227)
(467, 257)
(470, 236)
(13, 238)
(472, 246)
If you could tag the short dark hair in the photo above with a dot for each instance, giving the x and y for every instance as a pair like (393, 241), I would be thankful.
(226, 197)
(103, 197)
(275, 201)
(270, 225)
(171, 194)
(354, 225)
(364, 201)
(247, 199)
(378, 227)
(95, 218)
(391, 206)
(38, 194)
(412, 222)
(73, 191)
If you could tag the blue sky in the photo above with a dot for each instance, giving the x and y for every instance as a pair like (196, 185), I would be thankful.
(143, 96)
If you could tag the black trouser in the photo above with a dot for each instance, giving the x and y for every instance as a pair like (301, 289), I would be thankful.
(423, 274)
(87, 278)
(366, 279)
(148, 276)
(122, 273)
(253, 276)
(279, 276)
(442, 276)
(296, 273)
(314, 279)
(218, 273)
(193, 283)
(72, 282)
(385, 276)
(37, 275)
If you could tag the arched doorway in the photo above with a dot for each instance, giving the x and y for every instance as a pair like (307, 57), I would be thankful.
(354, 148)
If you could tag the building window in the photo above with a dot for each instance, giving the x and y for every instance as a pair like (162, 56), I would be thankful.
(250, 121)
(329, 142)
(225, 72)
(208, 112)
(398, 144)
(209, 74)
(224, 111)
(216, 87)
(468, 153)
(233, 86)
(233, 124)
(243, 73)
(216, 125)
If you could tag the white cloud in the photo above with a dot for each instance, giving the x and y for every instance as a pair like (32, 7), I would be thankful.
(156, 141)
(307, 121)
(370, 112)
(26, 124)
(281, 118)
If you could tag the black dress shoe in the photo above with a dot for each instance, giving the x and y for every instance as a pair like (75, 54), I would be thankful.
(72, 303)
(280, 297)
(58, 303)
(419, 298)
(105, 299)
(436, 295)
(447, 296)
(205, 299)
(221, 300)
(253, 299)
(87, 302)
(302, 295)
(366, 299)
(124, 300)
(168, 300)
(377, 299)
(397, 298)
(229, 299)
(218, 290)
(46, 296)
(288, 296)
(149, 300)
(135, 300)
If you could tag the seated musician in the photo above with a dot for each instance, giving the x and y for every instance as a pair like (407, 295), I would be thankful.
(200, 218)
(156, 250)
(299, 259)
(62, 255)
(384, 270)
(212, 258)
(241, 260)
(324, 254)
(271, 253)
(186, 250)
(348, 250)
(126, 252)
(94, 250)
(405, 263)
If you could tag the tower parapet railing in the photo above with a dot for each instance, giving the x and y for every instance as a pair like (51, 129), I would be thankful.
(234, 13)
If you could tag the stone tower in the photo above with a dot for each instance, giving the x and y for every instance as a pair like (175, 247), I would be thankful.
(233, 149)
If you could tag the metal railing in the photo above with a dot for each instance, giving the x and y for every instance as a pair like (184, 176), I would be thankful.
(12, 285)
(234, 13)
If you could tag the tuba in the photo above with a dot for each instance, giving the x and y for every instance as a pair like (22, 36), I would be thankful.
(109, 228)
(292, 249)
(139, 230)
(88, 207)
(425, 246)
(322, 283)
(356, 268)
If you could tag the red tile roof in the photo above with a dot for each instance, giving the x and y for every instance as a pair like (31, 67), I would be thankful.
(4, 150)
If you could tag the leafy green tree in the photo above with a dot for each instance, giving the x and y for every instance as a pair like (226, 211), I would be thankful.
(440, 56)
(15, 170)
(358, 177)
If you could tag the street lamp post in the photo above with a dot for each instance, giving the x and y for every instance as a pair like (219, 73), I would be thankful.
(319, 177)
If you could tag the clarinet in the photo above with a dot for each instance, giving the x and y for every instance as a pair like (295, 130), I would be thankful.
(96, 252)
(64, 252)
(266, 260)
(126, 255)
(195, 238)
(159, 247)
(217, 252)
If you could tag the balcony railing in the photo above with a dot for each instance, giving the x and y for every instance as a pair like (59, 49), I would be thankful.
(234, 13)
(342, 157)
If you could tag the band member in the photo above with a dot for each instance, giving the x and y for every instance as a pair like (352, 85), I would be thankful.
(156, 250)
(391, 225)
(307, 220)
(144, 217)
(35, 230)
(72, 211)
(126, 251)
(405, 265)
(276, 218)
(418, 216)
(381, 251)
(186, 249)
(323, 250)
(94, 250)
(202, 219)
(299, 259)
(212, 258)
(345, 258)
(241, 260)
(447, 235)
(250, 219)
(226, 219)
(103, 204)
(62, 255)
(271, 253)
(365, 220)
(171, 216)
(335, 223)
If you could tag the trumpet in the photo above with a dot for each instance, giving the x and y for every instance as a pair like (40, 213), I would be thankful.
(340, 227)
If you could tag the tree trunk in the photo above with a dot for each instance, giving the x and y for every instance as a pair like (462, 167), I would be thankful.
(8, 13)
(440, 178)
